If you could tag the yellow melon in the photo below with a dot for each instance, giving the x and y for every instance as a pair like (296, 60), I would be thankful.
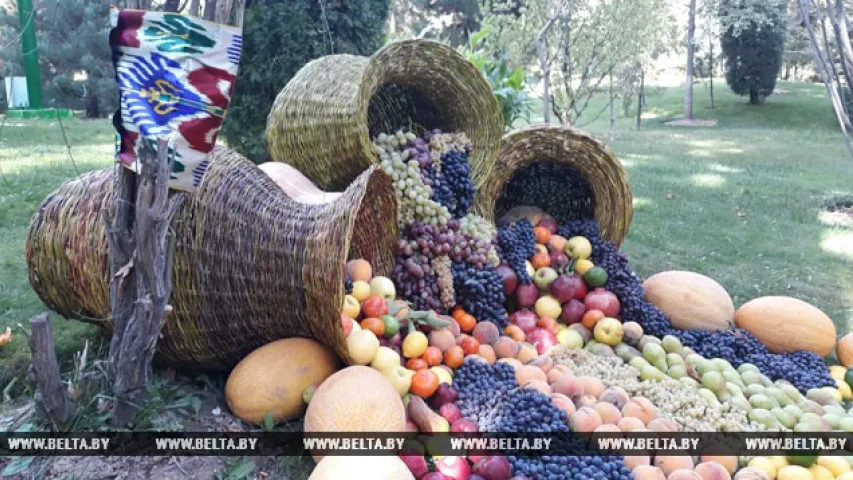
(355, 399)
(691, 300)
(273, 377)
(844, 350)
(361, 468)
(787, 324)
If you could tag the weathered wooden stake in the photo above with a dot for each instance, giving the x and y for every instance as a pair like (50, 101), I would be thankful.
(51, 396)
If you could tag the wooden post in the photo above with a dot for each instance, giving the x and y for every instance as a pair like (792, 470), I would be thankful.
(51, 396)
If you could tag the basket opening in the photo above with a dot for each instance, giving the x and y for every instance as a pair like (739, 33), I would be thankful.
(558, 189)
(396, 106)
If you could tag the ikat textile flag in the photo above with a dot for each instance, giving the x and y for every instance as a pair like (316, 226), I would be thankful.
(175, 75)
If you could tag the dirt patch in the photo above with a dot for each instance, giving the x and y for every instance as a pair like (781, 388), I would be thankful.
(838, 214)
(696, 122)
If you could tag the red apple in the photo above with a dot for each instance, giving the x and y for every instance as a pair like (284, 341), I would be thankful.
(550, 224)
(563, 289)
(525, 320)
(573, 311)
(444, 394)
(450, 412)
(542, 339)
(454, 467)
(464, 425)
(417, 465)
(604, 300)
(559, 260)
(436, 476)
(493, 467)
(509, 279)
(527, 294)
(580, 287)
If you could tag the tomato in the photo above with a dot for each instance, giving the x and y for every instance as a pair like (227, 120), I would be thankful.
(432, 355)
(416, 364)
(375, 325)
(466, 322)
(470, 345)
(542, 234)
(374, 306)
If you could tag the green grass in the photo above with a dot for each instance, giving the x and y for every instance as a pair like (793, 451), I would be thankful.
(746, 196)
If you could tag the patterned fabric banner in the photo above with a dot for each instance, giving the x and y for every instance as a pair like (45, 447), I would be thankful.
(175, 75)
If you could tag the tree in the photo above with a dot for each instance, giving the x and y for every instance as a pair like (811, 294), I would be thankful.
(691, 33)
(74, 54)
(282, 36)
(753, 43)
(580, 43)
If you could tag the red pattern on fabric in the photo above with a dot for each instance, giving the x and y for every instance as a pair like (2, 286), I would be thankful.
(129, 23)
(201, 132)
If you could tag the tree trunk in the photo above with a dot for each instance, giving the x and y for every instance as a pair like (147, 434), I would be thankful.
(51, 396)
(195, 7)
(544, 65)
(754, 97)
(691, 32)
(172, 5)
(641, 98)
(711, 69)
(612, 111)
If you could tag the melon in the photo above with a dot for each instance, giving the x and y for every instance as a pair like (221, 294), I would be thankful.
(787, 324)
(273, 377)
(691, 300)
(361, 468)
(355, 399)
(844, 350)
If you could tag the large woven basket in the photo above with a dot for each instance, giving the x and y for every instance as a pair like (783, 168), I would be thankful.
(251, 264)
(564, 171)
(323, 121)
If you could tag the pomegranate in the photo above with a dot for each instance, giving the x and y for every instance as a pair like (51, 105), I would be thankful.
(604, 300)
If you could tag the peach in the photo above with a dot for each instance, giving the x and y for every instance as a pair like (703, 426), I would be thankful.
(486, 333)
(527, 373)
(629, 424)
(557, 242)
(526, 353)
(608, 412)
(712, 471)
(512, 362)
(442, 339)
(683, 474)
(359, 269)
(751, 473)
(506, 347)
(544, 362)
(634, 461)
(661, 424)
(591, 385)
(487, 353)
(569, 385)
(540, 386)
(564, 403)
(607, 428)
(585, 401)
(615, 395)
(671, 463)
(648, 472)
(585, 419)
(556, 372)
(729, 462)
(640, 410)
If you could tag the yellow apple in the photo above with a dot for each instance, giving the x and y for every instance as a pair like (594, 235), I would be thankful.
(570, 338)
(384, 287)
(360, 290)
(608, 331)
(385, 359)
(548, 306)
(578, 247)
(443, 373)
(400, 378)
(351, 307)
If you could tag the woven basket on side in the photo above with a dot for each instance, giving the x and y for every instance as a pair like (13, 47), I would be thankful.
(251, 264)
(323, 121)
(564, 171)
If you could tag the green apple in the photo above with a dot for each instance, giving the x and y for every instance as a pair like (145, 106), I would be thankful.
(385, 359)
(608, 331)
(578, 247)
(400, 378)
(543, 278)
(384, 287)
(570, 338)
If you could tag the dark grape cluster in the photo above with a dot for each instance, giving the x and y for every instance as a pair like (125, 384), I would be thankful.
(490, 396)
(517, 244)
(455, 190)
(347, 284)
(805, 370)
(480, 292)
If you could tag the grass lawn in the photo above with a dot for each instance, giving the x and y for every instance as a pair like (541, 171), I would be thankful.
(739, 202)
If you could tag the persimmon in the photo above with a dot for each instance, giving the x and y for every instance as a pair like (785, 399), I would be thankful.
(374, 306)
(470, 345)
(515, 332)
(540, 260)
(375, 325)
(424, 383)
(542, 235)
(548, 324)
(591, 317)
(457, 312)
(433, 356)
(466, 322)
(454, 356)
(416, 364)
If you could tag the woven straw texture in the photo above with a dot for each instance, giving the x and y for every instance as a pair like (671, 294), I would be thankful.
(564, 171)
(251, 264)
(323, 121)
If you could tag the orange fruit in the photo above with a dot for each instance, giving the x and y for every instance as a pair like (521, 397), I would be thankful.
(375, 325)
(457, 312)
(515, 332)
(374, 306)
(433, 356)
(591, 317)
(470, 345)
(466, 322)
(538, 261)
(542, 234)
(454, 356)
(424, 383)
(416, 364)
(548, 324)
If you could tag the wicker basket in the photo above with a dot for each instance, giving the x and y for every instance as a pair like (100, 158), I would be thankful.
(251, 264)
(323, 120)
(564, 171)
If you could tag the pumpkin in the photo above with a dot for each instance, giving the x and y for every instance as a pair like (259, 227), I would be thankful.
(296, 185)
(376, 467)
(844, 350)
(355, 399)
(273, 377)
(690, 300)
(787, 324)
